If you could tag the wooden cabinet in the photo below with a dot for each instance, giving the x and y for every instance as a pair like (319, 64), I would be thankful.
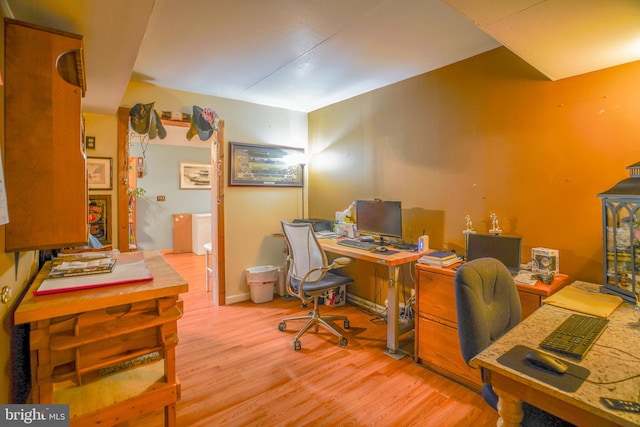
(437, 345)
(107, 352)
(182, 233)
(45, 160)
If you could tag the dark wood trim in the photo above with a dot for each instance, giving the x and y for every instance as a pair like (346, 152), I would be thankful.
(217, 202)
(122, 172)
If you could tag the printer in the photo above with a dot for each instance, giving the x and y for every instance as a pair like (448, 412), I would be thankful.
(317, 224)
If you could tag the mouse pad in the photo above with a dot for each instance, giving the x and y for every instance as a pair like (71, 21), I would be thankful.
(570, 381)
(387, 252)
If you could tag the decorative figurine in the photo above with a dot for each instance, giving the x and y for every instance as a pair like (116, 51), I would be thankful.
(495, 228)
(469, 225)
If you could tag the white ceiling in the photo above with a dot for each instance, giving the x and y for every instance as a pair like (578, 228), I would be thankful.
(306, 54)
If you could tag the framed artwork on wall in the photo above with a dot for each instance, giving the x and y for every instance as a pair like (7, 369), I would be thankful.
(264, 165)
(100, 217)
(195, 176)
(99, 173)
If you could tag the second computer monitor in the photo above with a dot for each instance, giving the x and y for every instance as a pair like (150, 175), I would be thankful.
(378, 217)
(504, 248)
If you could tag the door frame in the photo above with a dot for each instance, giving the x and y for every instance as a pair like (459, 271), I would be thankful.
(217, 199)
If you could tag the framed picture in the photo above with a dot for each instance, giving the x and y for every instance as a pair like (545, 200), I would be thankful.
(195, 176)
(99, 173)
(264, 165)
(100, 217)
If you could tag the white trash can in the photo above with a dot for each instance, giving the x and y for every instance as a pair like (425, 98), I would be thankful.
(261, 281)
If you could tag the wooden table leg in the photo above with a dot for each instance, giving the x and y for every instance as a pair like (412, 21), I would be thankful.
(509, 408)
(170, 415)
(392, 310)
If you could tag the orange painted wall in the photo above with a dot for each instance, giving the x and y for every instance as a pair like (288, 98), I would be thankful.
(487, 134)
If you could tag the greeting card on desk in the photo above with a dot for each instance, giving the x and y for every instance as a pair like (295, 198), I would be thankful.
(128, 269)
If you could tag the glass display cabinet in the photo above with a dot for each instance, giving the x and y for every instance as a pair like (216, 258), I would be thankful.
(621, 236)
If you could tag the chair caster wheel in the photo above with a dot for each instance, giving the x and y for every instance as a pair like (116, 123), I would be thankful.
(282, 326)
(342, 342)
(297, 345)
(347, 325)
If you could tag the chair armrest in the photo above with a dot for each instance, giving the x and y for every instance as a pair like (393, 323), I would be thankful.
(340, 262)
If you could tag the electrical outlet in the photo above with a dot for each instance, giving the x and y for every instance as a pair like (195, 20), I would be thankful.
(161, 198)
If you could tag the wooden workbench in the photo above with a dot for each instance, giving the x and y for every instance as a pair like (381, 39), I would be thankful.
(108, 352)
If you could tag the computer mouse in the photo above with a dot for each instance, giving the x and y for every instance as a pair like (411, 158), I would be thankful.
(546, 362)
(381, 249)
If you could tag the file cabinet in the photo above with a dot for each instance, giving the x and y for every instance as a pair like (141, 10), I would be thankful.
(437, 345)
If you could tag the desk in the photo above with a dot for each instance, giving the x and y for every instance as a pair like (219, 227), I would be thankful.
(615, 356)
(392, 261)
(82, 341)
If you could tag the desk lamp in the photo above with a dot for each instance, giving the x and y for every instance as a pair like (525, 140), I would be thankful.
(300, 159)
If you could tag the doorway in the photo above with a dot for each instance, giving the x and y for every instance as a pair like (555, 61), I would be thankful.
(217, 199)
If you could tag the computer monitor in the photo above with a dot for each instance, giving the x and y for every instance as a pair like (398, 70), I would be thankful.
(504, 248)
(378, 217)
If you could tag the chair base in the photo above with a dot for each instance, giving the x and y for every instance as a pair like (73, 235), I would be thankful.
(315, 320)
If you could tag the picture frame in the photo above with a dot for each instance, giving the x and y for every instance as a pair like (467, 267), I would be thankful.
(195, 176)
(263, 165)
(100, 217)
(99, 173)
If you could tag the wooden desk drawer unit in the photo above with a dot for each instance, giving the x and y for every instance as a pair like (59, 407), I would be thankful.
(437, 345)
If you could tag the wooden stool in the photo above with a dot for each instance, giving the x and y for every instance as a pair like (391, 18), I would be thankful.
(209, 271)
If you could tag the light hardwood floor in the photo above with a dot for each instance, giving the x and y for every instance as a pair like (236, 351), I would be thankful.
(237, 369)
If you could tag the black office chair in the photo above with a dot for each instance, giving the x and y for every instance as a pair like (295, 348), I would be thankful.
(308, 278)
(488, 305)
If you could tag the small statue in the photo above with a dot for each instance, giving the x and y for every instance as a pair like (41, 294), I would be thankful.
(469, 225)
(495, 228)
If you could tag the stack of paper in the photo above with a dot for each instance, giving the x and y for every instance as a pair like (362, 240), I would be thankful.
(81, 265)
(440, 259)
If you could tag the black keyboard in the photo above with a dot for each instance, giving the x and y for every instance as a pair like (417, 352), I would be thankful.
(575, 336)
(367, 246)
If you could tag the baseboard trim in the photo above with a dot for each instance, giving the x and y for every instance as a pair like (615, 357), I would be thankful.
(363, 303)
(367, 305)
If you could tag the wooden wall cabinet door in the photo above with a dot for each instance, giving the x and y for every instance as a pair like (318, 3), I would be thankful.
(46, 171)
